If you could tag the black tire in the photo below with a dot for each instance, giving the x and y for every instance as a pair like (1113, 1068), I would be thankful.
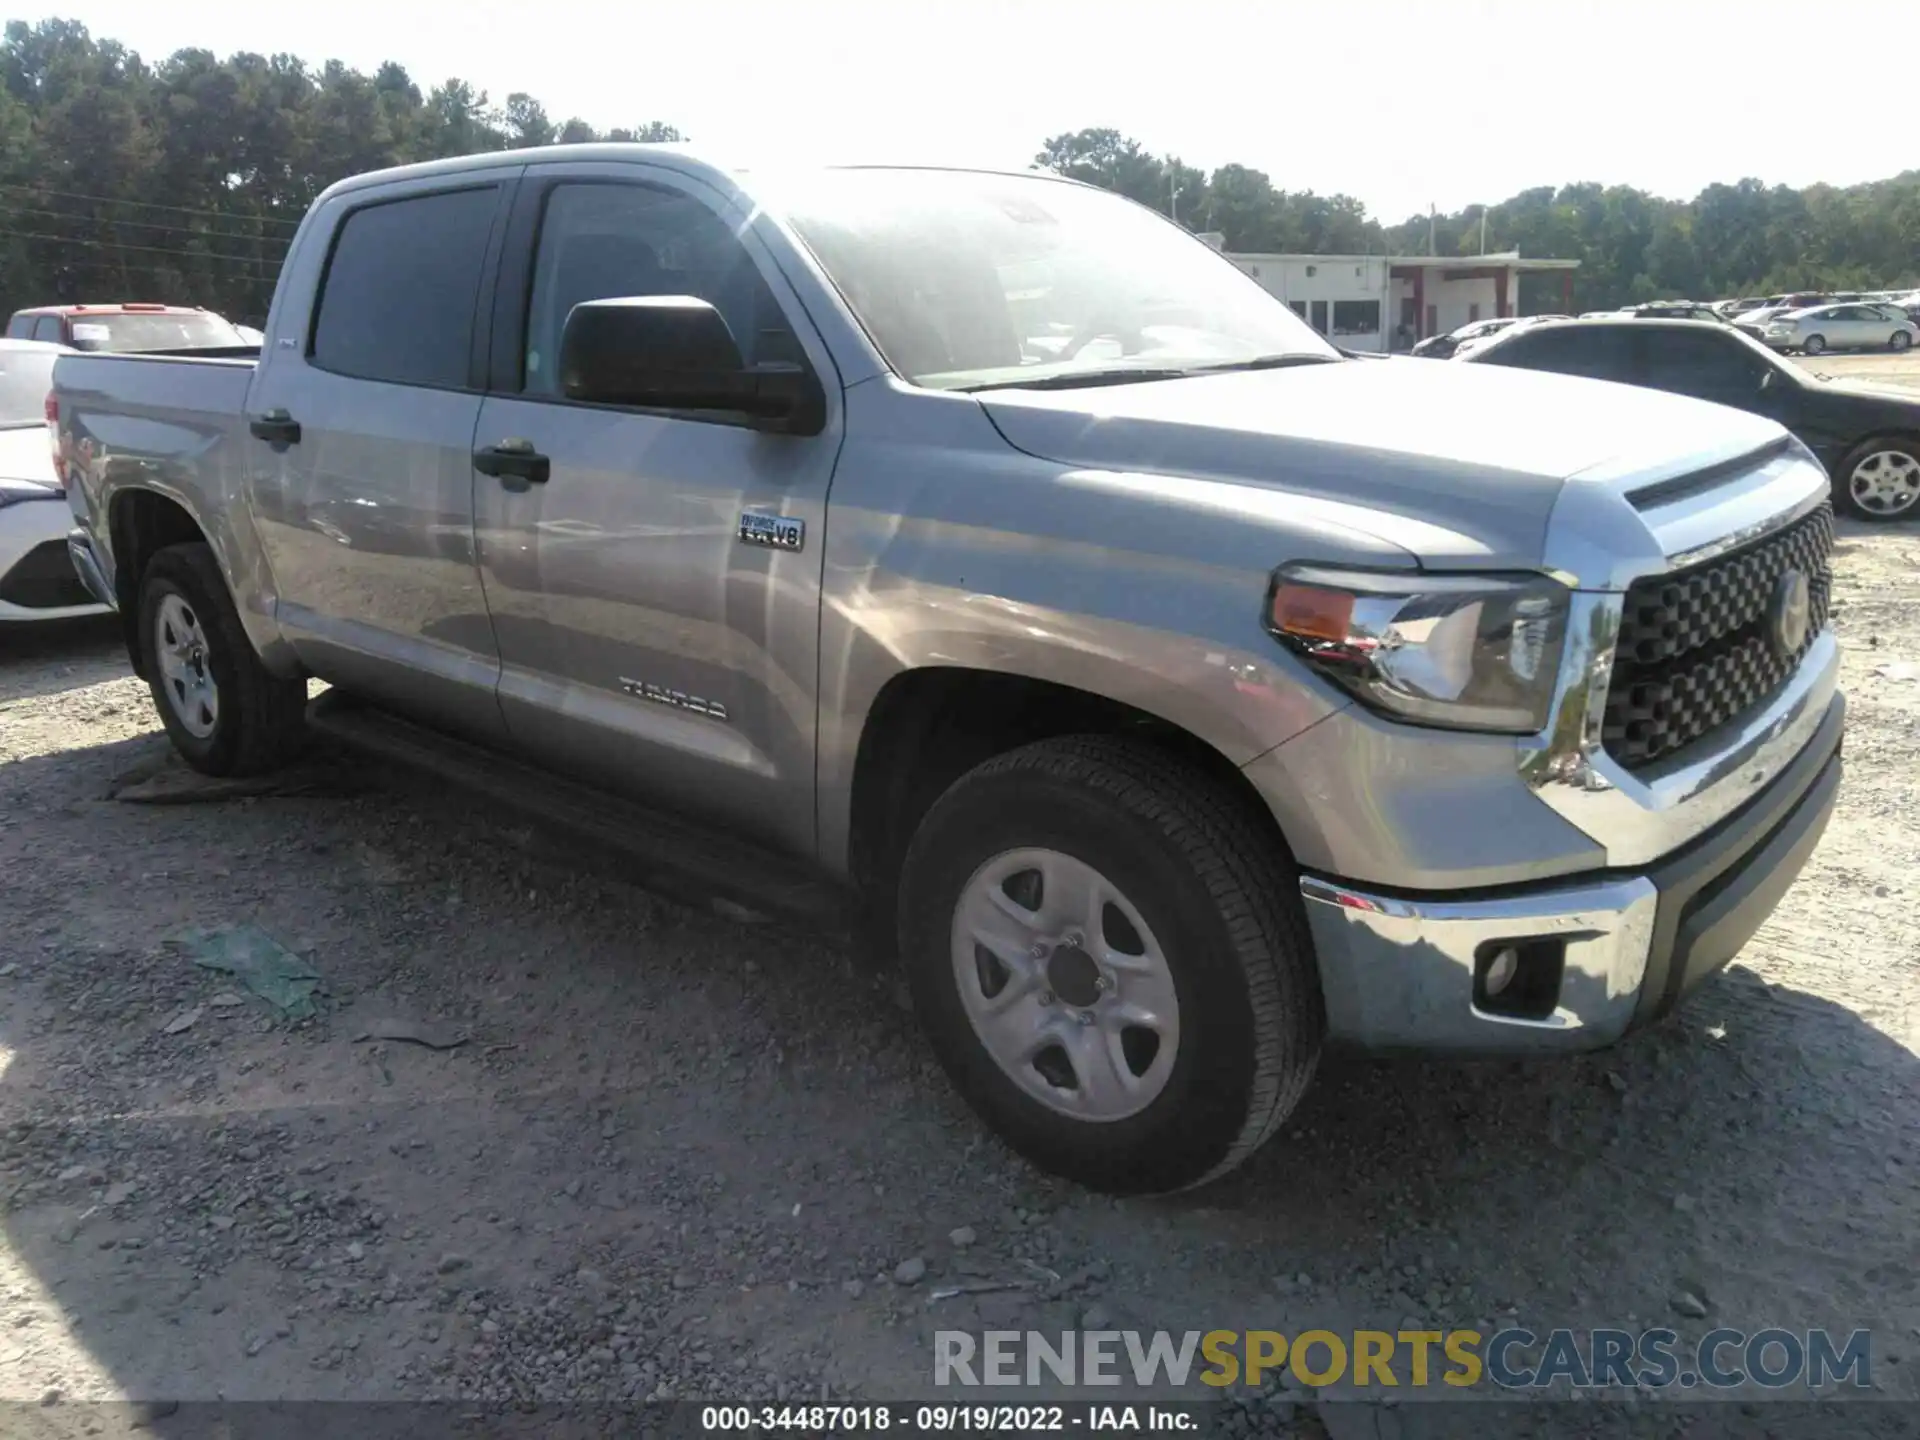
(1899, 341)
(1815, 345)
(261, 720)
(1219, 892)
(1843, 496)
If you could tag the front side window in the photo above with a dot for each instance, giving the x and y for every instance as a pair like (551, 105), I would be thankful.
(1599, 352)
(48, 328)
(602, 241)
(1700, 362)
(964, 280)
(398, 299)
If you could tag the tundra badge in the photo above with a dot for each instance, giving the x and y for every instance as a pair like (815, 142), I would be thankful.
(776, 531)
(679, 699)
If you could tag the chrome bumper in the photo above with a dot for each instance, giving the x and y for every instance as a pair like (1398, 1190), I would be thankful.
(80, 549)
(1405, 973)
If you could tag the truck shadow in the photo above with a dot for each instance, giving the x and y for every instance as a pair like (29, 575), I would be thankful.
(720, 1120)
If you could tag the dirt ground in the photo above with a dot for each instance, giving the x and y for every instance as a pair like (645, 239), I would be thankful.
(679, 1155)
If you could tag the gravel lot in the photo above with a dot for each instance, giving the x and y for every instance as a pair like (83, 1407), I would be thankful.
(681, 1155)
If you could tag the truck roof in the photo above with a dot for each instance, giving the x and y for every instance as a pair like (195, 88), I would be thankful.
(674, 154)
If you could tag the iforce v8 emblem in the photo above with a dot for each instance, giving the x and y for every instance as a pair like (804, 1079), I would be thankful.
(779, 532)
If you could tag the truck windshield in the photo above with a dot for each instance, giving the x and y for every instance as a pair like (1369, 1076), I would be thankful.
(26, 375)
(966, 280)
(128, 333)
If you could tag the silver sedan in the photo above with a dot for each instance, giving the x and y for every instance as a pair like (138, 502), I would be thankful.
(1841, 327)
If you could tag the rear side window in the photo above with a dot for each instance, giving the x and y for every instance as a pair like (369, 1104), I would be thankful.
(1599, 352)
(398, 300)
(20, 327)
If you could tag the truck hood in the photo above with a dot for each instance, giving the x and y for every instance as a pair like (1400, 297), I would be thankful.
(1455, 464)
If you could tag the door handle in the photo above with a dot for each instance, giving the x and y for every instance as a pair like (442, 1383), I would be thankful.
(276, 427)
(515, 459)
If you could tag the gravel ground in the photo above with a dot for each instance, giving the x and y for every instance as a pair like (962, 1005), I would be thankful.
(676, 1155)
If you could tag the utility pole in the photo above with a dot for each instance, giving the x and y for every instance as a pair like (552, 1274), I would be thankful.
(1173, 192)
(1483, 229)
(1432, 213)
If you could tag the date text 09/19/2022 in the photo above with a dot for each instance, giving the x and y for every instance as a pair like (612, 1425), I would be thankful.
(1017, 1419)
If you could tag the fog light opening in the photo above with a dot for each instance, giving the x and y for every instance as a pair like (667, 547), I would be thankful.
(1519, 978)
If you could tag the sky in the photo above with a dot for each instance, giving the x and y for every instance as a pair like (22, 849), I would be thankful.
(1402, 103)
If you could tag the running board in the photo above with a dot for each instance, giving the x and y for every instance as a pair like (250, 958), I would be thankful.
(665, 853)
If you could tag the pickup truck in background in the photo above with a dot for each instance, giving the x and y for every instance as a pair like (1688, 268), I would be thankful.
(125, 327)
(1173, 695)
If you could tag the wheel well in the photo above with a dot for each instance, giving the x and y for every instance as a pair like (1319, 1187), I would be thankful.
(141, 523)
(929, 727)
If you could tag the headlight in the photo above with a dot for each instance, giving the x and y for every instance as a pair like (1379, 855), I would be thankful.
(1463, 652)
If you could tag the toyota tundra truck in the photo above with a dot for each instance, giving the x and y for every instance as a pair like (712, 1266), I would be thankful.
(986, 559)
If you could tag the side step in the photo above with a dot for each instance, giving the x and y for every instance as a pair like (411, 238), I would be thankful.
(662, 852)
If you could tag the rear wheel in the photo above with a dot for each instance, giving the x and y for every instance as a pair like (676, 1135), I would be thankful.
(1815, 345)
(1880, 480)
(1112, 962)
(225, 713)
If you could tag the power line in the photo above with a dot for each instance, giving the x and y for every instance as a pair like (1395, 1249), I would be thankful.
(7, 208)
(141, 204)
(148, 249)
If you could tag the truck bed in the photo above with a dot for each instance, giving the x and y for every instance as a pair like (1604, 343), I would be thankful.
(173, 424)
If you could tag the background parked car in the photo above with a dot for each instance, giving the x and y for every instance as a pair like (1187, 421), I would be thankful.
(1840, 327)
(37, 579)
(1441, 347)
(124, 327)
(1868, 439)
(1754, 322)
(1674, 310)
(1474, 342)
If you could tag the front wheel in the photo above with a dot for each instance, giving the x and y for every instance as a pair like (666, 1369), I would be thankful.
(1112, 962)
(225, 713)
(1880, 480)
(1815, 345)
(1899, 341)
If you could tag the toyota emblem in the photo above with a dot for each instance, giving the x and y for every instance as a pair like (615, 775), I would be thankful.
(1790, 614)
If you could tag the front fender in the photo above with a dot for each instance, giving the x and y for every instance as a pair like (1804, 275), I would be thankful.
(1240, 696)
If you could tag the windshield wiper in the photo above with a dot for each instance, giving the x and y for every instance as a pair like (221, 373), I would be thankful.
(1081, 379)
(1269, 362)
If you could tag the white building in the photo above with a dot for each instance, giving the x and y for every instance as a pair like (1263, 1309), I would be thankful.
(1387, 302)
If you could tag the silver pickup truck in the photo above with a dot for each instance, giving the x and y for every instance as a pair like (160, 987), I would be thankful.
(1173, 695)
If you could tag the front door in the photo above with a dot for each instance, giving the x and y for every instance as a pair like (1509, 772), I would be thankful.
(650, 641)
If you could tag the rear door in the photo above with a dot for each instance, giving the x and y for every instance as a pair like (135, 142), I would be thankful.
(363, 475)
(645, 645)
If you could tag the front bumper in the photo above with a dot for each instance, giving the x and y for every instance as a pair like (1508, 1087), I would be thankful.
(1601, 956)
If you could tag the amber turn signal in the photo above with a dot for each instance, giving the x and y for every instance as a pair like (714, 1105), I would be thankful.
(1312, 613)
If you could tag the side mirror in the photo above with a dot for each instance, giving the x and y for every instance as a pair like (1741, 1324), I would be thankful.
(675, 352)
